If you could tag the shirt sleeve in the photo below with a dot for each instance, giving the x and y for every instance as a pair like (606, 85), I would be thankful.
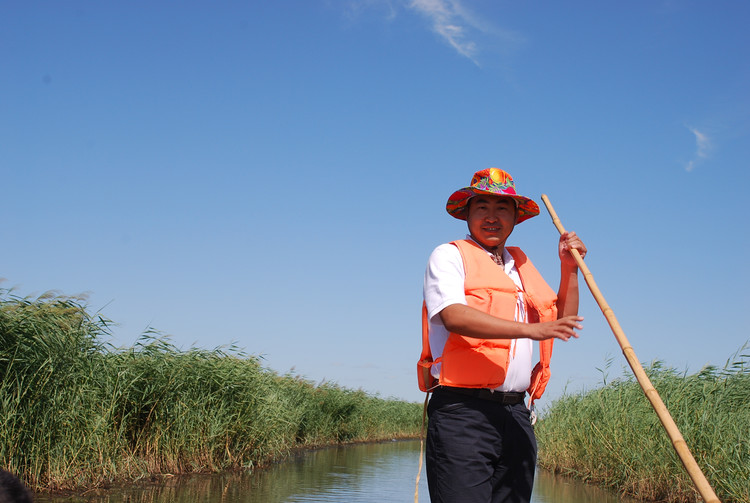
(444, 280)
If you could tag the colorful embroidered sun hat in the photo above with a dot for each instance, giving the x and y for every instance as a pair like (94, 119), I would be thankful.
(493, 182)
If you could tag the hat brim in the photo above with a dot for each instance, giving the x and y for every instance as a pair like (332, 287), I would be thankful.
(457, 205)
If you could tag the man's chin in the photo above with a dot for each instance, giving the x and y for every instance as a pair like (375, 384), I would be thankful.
(490, 243)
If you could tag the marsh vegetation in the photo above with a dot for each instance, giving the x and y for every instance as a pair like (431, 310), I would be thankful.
(612, 437)
(77, 412)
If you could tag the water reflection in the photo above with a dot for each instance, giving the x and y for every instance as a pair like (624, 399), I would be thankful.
(551, 489)
(355, 474)
(360, 473)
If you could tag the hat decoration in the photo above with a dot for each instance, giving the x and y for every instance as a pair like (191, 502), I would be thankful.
(492, 182)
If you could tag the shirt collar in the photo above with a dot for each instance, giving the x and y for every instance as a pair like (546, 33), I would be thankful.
(507, 257)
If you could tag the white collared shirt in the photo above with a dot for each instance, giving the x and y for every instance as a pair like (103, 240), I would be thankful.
(444, 285)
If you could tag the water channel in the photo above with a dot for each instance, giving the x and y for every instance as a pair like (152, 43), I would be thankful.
(369, 473)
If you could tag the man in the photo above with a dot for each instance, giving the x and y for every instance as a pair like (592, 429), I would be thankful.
(484, 305)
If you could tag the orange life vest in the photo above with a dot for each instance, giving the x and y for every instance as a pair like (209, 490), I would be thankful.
(470, 362)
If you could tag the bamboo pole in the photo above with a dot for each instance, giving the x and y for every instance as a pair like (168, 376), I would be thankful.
(688, 461)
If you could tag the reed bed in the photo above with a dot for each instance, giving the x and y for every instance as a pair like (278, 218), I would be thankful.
(76, 412)
(612, 437)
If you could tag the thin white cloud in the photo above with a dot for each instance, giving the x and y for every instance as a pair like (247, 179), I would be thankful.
(702, 148)
(702, 142)
(452, 22)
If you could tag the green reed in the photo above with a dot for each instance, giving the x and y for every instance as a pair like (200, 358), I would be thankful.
(611, 435)
(76, 412)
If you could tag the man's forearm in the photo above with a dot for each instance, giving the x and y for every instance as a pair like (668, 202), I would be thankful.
(470, 322)
(567, 294)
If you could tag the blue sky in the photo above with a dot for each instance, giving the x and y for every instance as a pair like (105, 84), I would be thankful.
(274, 174)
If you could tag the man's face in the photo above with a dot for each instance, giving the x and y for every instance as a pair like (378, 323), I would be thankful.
(491, 219)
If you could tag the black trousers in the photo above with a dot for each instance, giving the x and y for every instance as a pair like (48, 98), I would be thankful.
(479, 451)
